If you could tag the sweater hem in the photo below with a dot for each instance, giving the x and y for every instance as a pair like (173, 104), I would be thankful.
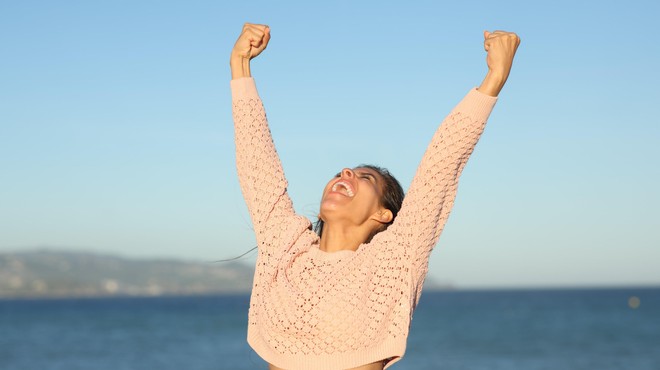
(387, 349)
(477, 104)
(243, 87)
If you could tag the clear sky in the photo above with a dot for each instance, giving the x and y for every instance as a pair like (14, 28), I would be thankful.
(116, 130)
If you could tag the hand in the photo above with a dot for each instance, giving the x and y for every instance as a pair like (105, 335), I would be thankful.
(252, 41)
(501, 47)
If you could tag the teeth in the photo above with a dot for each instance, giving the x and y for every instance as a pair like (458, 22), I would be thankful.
(344, 185)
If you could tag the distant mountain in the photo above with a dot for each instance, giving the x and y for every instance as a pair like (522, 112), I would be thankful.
(47, 273)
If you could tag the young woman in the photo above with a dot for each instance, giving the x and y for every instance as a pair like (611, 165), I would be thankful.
(343, 297)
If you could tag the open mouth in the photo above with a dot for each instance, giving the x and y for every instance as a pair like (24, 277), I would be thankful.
(344, 188)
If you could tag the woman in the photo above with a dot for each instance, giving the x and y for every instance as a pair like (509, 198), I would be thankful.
(343, 298)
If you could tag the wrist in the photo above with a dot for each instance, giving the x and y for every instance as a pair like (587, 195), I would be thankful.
(240, 66)
(493, 83)
(497, 77)
(235, 56)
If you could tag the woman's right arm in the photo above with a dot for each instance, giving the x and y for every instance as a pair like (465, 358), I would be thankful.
(259, 168)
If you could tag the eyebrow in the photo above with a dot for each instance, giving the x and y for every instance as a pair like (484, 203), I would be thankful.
(365, 173)
(375, 178)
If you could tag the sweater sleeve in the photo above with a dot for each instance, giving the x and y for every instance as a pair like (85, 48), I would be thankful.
(431, 195)
(260, 172)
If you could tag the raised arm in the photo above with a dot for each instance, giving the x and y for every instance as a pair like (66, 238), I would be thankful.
(259, 168)
(431, 195)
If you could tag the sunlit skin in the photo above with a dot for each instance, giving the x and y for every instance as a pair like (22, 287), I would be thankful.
(351, 220)
(372, 366)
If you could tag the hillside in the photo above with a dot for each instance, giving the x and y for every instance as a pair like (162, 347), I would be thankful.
(47, 273)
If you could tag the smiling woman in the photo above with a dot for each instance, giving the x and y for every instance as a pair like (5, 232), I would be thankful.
(343, 298)
(387, 188)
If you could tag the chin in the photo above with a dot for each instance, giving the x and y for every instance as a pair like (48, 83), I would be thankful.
(330, 210)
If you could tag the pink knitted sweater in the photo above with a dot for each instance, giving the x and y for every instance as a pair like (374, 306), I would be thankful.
(312, 309)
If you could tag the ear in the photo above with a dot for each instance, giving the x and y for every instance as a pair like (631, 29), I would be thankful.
(383, 216)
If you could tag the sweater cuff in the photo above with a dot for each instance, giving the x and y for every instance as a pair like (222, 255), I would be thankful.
(243, 87)
(477, 103)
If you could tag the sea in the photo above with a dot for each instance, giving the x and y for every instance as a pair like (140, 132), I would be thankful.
(491, 329)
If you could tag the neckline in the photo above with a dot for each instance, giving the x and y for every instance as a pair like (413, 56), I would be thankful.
(317, 253)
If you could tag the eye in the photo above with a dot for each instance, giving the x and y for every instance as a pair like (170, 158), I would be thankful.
(367, 176)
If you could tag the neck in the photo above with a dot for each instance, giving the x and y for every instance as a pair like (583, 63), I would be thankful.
(336, 237)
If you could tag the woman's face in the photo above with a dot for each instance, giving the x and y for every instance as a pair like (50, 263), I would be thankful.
(352, 196)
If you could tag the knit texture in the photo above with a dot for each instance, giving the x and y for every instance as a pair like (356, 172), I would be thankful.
(311, 309)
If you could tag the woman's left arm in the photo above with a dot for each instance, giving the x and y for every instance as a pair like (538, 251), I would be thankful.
(431, 195)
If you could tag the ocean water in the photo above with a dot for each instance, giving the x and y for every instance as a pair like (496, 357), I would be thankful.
(506, 330)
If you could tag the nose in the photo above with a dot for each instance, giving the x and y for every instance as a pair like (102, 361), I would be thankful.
(347, 173)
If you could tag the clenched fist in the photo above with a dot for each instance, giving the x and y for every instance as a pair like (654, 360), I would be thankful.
(252, 41)
(501, 47)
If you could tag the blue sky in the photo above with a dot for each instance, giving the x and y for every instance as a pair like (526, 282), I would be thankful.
(116, 131)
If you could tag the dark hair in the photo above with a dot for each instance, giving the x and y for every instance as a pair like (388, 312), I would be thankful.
(391, 199)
